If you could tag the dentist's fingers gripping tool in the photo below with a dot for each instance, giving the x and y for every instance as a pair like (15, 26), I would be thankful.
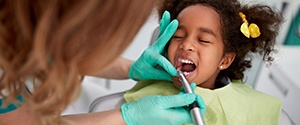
(194, 107)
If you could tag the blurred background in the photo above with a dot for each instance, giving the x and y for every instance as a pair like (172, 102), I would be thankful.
(281, 79)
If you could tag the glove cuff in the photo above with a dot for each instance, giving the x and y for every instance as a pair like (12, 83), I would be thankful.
(124, 108)
(132, 72)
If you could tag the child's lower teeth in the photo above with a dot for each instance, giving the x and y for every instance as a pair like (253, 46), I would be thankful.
(186, 73)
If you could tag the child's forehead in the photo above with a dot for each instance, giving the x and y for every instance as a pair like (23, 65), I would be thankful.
(199, 12)
(200, 17)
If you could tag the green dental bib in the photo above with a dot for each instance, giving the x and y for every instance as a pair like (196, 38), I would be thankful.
(234, 104)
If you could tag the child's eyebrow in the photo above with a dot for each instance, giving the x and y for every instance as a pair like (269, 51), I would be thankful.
(207, 30)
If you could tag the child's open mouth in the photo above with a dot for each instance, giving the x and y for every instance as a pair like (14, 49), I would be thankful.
(187, 66)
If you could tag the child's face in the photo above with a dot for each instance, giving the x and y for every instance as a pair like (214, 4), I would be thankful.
(198, 41)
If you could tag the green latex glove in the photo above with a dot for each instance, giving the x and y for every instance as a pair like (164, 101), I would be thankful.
(199, 99)
(158, 110)
(144, 68)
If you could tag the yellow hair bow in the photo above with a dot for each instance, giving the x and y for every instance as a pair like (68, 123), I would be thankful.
(252, 30)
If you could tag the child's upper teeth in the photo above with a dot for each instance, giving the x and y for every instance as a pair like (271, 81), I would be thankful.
(185, 61)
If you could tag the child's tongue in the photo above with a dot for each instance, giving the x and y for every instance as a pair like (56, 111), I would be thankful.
(188, 68)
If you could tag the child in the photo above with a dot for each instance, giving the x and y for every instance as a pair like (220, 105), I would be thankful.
(212, 46)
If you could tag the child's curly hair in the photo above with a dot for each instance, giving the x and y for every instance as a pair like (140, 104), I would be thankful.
(265, 17)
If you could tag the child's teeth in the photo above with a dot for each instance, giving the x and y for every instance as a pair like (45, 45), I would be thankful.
(186, 73)
(185, 61)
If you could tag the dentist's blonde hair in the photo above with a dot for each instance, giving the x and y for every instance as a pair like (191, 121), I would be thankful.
(54, 41)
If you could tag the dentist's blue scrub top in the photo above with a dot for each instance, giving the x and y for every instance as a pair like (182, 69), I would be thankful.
(10, 107)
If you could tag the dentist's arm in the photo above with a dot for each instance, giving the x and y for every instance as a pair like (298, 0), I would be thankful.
(146, 111)
(110, 117)
(150, 110)
(23, 116)
(118, 70)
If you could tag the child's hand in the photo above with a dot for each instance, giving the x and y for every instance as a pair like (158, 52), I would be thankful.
(144, 68)
(199, 99)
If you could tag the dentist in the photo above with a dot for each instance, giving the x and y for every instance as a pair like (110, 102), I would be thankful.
(53, 43)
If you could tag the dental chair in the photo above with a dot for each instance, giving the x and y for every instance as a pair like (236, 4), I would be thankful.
(107, 102)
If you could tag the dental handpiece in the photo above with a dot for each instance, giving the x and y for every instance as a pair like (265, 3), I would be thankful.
(194, 107)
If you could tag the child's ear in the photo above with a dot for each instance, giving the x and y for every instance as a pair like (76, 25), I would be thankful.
(227, 60)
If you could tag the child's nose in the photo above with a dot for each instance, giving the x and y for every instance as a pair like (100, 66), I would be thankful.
(187, 45)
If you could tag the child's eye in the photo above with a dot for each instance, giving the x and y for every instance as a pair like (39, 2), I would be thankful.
(177, 37)
(205, 41)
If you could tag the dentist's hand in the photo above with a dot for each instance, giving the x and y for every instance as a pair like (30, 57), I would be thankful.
(144, 68)
(158, 110)
(199, 99)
